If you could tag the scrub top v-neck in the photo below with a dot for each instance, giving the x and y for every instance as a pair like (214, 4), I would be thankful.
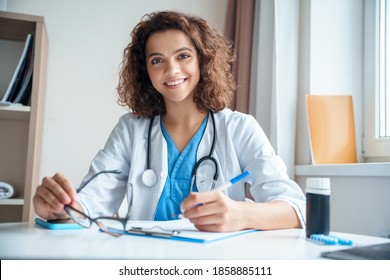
(180, 166)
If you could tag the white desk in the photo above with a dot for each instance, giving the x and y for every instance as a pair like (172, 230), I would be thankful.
(28, 241)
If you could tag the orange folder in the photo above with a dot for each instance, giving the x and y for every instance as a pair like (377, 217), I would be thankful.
(331, 129)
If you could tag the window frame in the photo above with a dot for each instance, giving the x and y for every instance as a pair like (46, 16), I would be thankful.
(374, 148)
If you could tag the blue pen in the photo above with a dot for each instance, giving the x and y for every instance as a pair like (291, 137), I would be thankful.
(223, 187)
(232, 181)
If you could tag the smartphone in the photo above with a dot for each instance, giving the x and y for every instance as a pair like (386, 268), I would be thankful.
(58, 224)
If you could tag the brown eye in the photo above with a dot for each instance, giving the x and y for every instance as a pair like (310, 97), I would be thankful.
(184, 56)
(156, 60)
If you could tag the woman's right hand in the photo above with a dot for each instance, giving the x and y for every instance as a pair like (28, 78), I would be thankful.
(51, 196)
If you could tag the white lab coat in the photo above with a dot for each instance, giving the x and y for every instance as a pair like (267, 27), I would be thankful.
(240, 145)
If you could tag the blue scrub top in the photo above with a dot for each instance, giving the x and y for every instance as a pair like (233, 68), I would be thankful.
(180, 166)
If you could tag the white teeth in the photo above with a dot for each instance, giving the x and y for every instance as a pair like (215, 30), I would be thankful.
(175, 83)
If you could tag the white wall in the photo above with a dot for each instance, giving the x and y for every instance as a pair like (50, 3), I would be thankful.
(332, 59)
(358, 204)
(86, 40)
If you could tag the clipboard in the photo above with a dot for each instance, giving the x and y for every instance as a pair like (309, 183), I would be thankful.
(179, 230)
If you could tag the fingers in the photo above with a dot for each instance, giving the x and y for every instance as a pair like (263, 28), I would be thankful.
(67, 192)
(200, 198)
(45, 211)
(206, 209)
(53, 194)
(214, 211)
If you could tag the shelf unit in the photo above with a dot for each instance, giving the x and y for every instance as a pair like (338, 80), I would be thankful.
(21, 126)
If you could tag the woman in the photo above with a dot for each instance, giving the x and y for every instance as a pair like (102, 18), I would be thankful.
(177, 83)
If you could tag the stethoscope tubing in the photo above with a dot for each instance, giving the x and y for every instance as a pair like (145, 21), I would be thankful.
(147, 175)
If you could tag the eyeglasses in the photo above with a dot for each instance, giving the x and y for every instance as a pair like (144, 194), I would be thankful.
(117, 226)
(111, 225)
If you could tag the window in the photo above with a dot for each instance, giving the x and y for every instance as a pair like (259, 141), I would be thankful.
(377, 80)
(384, 68)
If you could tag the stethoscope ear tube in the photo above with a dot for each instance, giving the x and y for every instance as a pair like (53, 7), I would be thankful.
(209, 157)
(148, 147)
(216, 174)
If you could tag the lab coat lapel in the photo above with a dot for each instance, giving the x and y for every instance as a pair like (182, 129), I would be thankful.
(145, 198)
(158, 162)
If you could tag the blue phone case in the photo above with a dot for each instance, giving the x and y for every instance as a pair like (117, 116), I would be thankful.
(57, 224)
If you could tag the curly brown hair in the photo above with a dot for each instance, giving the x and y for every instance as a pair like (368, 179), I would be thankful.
(216, 86)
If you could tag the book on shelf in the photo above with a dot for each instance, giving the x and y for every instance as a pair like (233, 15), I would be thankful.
(19, 88)
(23, 91)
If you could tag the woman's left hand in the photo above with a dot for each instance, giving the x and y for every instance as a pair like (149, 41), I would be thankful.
(213, 211)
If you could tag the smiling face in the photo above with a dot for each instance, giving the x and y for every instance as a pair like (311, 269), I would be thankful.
(173, 66)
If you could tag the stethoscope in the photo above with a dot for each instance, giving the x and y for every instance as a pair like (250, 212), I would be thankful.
(149, 176)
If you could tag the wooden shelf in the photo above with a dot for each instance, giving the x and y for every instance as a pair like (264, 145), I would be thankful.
(15, 107)
(21, 126)
(15, 112)
(12, 201)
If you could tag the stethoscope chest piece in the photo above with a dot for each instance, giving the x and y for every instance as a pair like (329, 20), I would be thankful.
(149, 178)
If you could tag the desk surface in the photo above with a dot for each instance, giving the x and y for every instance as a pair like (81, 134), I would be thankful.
(28, 241)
